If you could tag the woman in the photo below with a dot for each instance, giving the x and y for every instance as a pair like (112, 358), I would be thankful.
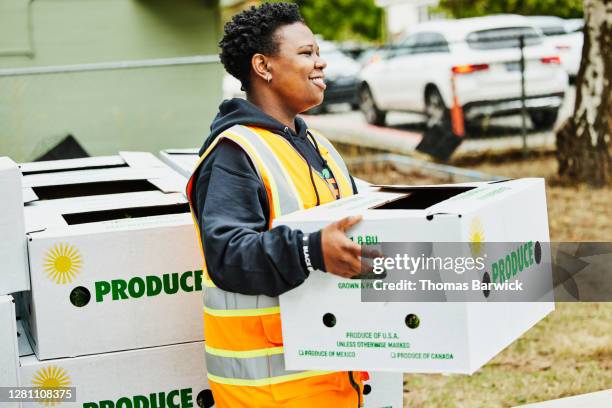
(259, 162)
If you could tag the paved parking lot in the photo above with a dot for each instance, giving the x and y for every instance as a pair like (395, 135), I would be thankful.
(404, 131)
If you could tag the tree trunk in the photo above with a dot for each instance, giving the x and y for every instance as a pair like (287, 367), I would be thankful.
(583, 142)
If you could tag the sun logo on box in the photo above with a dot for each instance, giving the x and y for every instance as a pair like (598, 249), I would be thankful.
(477, 236)
(50, 377)
(62, 263)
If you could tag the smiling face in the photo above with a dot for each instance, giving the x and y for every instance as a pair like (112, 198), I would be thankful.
(297, 69)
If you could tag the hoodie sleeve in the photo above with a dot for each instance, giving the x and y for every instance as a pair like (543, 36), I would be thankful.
(242, 255)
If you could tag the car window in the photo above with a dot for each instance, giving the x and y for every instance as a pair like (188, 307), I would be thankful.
(553, 30)
(507, 37)
(430, 42)
(405, 47)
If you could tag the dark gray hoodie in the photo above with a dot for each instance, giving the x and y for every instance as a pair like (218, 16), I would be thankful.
(232, 209)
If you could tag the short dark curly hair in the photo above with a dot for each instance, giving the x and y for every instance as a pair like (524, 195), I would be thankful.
(251, 32)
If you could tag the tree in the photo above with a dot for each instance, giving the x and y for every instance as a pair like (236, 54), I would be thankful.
(475, 8)
(583, 143)
(343, 19)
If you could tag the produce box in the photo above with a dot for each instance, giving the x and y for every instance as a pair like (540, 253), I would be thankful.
(112, 272)
(166, 376)
(331, 323)
(180, 160)
(384, 390)
(14, 272)
(126, 172)
(9, 355)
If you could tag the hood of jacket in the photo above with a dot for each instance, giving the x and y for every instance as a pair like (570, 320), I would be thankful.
(238, 111)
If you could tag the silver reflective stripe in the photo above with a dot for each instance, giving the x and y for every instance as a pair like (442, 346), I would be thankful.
(334, 154)
(287, 194)
(216, 298)
(251, 368)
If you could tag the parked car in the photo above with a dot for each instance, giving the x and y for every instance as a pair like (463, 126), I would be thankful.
(574, 25)
(565, 37)
(480, 59)
(373, 54)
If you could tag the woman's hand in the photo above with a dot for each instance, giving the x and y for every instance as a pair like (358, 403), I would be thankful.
(341, 256)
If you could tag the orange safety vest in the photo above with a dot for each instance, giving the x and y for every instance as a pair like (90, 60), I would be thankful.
(243, 338)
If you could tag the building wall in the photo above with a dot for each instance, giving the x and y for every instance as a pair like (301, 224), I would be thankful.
(106, 110)
(401, 15)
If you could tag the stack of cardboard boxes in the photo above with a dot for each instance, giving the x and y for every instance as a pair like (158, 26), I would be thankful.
(115, 303)
(12, 267)
(102, 256)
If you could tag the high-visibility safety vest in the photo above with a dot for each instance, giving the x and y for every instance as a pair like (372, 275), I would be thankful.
(244, 344)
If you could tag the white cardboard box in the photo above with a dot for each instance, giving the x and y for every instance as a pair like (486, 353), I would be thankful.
(123, 173)
(181, 160)
(13, 272)
(176, 373)
(452, 337)
(386, 390)
(147, 371)
(102, 282)
(9, 356)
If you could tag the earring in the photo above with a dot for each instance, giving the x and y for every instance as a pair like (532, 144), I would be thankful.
(269, 78)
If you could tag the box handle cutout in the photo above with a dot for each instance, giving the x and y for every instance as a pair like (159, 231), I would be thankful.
(421, 198)
(123, 213)
(93, 189)
(48, 171)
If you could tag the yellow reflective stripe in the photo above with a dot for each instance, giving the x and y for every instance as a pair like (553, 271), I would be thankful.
(252, 152)
(209, 283)
(242, 312)
(244, 354)
(287, 153)
(281, 165)
(266, 381)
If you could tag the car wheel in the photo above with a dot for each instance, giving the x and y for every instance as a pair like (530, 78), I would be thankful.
(435, 110)
(373, 115)
(544, 119)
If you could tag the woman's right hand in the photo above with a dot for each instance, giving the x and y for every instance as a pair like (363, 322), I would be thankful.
(341, 256)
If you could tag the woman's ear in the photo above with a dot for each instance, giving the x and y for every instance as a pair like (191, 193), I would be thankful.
(261, 67)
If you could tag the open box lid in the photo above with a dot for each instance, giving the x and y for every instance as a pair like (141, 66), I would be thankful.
(95, 213)
(181, 160)
(112, 174)
(412, 201)
(187, 151)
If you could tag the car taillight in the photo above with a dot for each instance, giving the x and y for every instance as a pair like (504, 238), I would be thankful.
(551, 60)
(468, 69)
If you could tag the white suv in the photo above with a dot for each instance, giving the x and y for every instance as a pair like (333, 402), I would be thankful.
(482, 56)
